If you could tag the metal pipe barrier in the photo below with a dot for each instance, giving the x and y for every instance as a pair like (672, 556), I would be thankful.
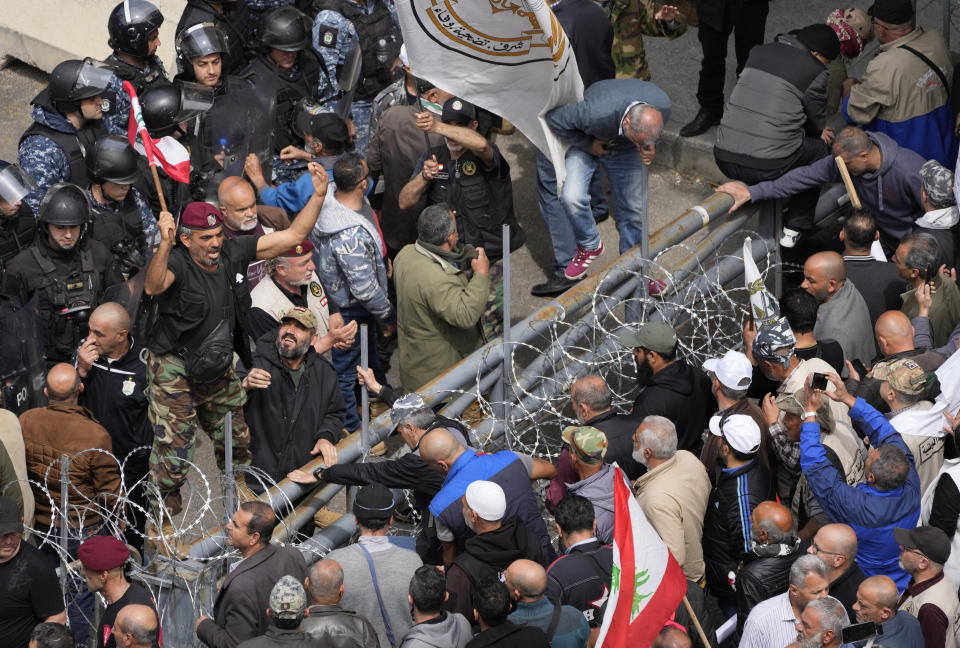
(566, 338)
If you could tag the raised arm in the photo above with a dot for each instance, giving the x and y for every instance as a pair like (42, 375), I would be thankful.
(277, 242)
(159, 277)
(467, 137)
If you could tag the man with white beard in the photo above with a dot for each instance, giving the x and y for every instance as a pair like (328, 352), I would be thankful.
(241, 217)
(821, 623)
(673, 493)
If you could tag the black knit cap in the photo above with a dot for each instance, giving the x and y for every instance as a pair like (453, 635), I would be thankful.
(892, 12)
(819, 38)
(373, 501)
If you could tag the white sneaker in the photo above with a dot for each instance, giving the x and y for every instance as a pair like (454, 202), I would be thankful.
(789, 237)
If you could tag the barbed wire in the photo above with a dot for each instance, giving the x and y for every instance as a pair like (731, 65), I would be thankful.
(708, 316)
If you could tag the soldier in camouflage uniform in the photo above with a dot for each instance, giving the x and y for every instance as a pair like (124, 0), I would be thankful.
(201, 300)
(371, 24)
(632, 20)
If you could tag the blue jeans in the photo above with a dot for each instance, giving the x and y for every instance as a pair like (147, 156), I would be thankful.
(556, 220)
(347, 361)
(628, 184)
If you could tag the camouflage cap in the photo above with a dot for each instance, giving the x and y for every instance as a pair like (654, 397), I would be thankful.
(588, 443)
(793, 404)
(903, 374)
(771, 338)
(288, 599)
(937, 182)
(301, 315)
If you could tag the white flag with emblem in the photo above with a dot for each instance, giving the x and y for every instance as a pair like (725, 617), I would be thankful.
(763, 305)
(510, 57)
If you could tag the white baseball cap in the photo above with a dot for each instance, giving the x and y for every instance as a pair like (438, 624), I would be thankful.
(487, 500)
(740, 432)
(732, 370)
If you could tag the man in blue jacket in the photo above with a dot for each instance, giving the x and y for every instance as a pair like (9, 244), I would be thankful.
(617, 125)
(889, 498)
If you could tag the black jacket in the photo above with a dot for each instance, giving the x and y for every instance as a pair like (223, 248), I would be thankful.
(116, 393)
(682, 394)
(510, 635)
(333, 627)
(279, 638)
(878, 282)
(286, 420)
(844, 589)
(240, 610)
(725, 539)
(619, 429)
(765, 572)
(579, 578)
(488, 553)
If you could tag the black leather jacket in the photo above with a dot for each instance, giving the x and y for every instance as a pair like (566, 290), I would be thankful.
(333, 627)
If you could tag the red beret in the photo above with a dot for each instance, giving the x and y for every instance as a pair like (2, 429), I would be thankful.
(102, 553)
(299, 250)
(201, 216)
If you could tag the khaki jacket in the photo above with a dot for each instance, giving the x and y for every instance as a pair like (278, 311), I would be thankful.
(12, 439)
(49, 432)
(674, 498)
(438, 314)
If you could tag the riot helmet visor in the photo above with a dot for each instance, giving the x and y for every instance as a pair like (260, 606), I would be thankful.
(195, 99)
(202, 39)
(92, 80)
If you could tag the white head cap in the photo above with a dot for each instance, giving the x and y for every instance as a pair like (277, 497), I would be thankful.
(487, 500)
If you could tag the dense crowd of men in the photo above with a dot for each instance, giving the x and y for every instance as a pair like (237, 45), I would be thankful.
(806, 480)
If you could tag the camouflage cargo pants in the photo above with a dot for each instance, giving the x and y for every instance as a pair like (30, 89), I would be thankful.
(492, 318)
(178, 407)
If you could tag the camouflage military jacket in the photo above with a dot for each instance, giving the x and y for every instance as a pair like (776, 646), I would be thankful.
(632, 20)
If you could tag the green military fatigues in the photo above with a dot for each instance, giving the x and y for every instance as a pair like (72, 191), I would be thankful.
(177, 406)
(632, 20)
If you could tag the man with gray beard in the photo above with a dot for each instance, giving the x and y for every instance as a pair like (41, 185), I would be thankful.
(294, 407)
(821, 624)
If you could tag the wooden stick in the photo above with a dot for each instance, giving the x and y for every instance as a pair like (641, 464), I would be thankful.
(156, 183)
(696, 623)
(848, 183)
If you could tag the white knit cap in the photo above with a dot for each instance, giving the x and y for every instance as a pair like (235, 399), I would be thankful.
(487, 500)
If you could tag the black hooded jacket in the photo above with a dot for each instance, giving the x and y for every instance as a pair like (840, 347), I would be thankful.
(682, 394)
(285, 419)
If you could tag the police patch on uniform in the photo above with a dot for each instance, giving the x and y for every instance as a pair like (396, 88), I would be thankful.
(328, 39)
(128, 386)
(469, 167)
(316, 289)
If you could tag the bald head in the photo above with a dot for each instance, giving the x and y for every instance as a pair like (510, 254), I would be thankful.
(238, 202)
(824, 274)
(880, 591)
(140, 622)
(772, 523)
(894, 332)
(838, 538)
(109, 330)
(439, 449)
(112, 314)
(526, 579)
(63, 383)
(671, 637)
(325, 582)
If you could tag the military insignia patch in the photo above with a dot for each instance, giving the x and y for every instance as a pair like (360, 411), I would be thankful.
(316, 289)
(299, 249)
(457, 105)
(128, 386)
(469, 167)
(211, 220)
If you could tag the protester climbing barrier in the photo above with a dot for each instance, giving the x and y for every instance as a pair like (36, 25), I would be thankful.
(514, 392)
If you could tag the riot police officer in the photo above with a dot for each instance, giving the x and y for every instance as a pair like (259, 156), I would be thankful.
(120, 218)
(67, 120)
(134, 28)
(17, 224)
(342, 24)
(68, 270)
(288, 71)
(234, 18)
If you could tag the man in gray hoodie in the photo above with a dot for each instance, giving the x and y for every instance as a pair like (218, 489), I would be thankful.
(433, 626)
(886, 177)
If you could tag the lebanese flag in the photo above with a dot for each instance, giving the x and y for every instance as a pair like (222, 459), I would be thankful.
(172, 157)
(646, 584)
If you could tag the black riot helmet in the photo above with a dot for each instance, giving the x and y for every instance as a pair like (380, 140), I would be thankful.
(114, 160)
(130, 25)
(64, 204)
(164, 107)
(201, 39)
(286, 29)
(73, 80)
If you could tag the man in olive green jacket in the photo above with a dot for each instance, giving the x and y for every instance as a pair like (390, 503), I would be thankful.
(442, 286)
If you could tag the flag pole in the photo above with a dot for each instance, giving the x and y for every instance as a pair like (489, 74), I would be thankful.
(696, 622)
(156, 183)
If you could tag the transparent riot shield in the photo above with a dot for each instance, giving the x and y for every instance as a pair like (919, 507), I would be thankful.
(239, 123)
